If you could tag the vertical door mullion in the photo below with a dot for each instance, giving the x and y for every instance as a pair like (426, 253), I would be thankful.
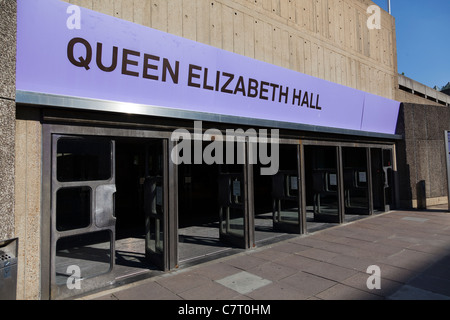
(340, 178)
(250, 212)
(172, 216)
(369, 180)
(447, 163)
(301, 189)
(166, 245)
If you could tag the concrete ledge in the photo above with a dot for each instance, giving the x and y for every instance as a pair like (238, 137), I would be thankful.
(421, 89)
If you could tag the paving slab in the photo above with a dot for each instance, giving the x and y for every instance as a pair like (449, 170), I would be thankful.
(244, 282)
(343, 292)
(308, 284)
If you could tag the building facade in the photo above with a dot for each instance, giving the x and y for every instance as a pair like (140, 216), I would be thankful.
(88, 174)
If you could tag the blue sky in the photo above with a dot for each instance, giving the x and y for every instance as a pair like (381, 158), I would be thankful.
(423, 39)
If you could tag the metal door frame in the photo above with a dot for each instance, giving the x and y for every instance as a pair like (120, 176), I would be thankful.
(447, 163)
(107, 224)
(247, 173)
(170, 225)
(300, 184)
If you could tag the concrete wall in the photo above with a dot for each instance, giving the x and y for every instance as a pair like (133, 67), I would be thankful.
(421, 155)
(28, 201)
(8, 9)
(20, 162)
(328, 39)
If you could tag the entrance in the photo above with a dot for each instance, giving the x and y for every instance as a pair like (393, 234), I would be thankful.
(323, 187)
(277, 198)
(383, 179)
(212, 209)
(108, 213)
(344, 183)
(357, 177)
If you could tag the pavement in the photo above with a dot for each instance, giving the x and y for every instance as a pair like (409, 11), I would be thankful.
(399, 255)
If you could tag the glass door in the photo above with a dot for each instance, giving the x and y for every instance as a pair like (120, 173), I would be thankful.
(233, 210)
(323, 187)
(382, 178)
(155, 202)
(356, 181)
(82, 214)
(286, 191)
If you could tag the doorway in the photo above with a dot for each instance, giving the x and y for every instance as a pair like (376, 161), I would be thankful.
(323, 187)
(277, 198)
(382, 166)
(108, 212)
(357, 179)
(212, 209)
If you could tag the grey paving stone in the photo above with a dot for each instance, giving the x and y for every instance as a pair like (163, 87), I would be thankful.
(245, 262)
(148, 291)
(209, 291)
(278, 291)
(182, 282)
(307, 284)
(244, 282)
(273, 271)
(343, 292)
(216, 271)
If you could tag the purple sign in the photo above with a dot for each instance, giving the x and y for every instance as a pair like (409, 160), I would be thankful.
(71, 51)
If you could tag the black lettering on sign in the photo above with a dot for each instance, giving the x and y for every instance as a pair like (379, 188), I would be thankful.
(305, 100)
(205, 80)
(297, 97)
(284, 94)
(158, 68)
(126, 62)
(100, 64)
(240, 86)
(317, 103)
(253, 86)
(225, 86)
(193, 75)
(263, 90)
(274, 90)
(148, 66)
(174, 74)
(82, 62)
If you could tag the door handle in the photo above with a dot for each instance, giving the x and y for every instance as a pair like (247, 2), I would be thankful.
(104, 206)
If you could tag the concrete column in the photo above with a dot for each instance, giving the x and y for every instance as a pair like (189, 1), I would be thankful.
(8, 13)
